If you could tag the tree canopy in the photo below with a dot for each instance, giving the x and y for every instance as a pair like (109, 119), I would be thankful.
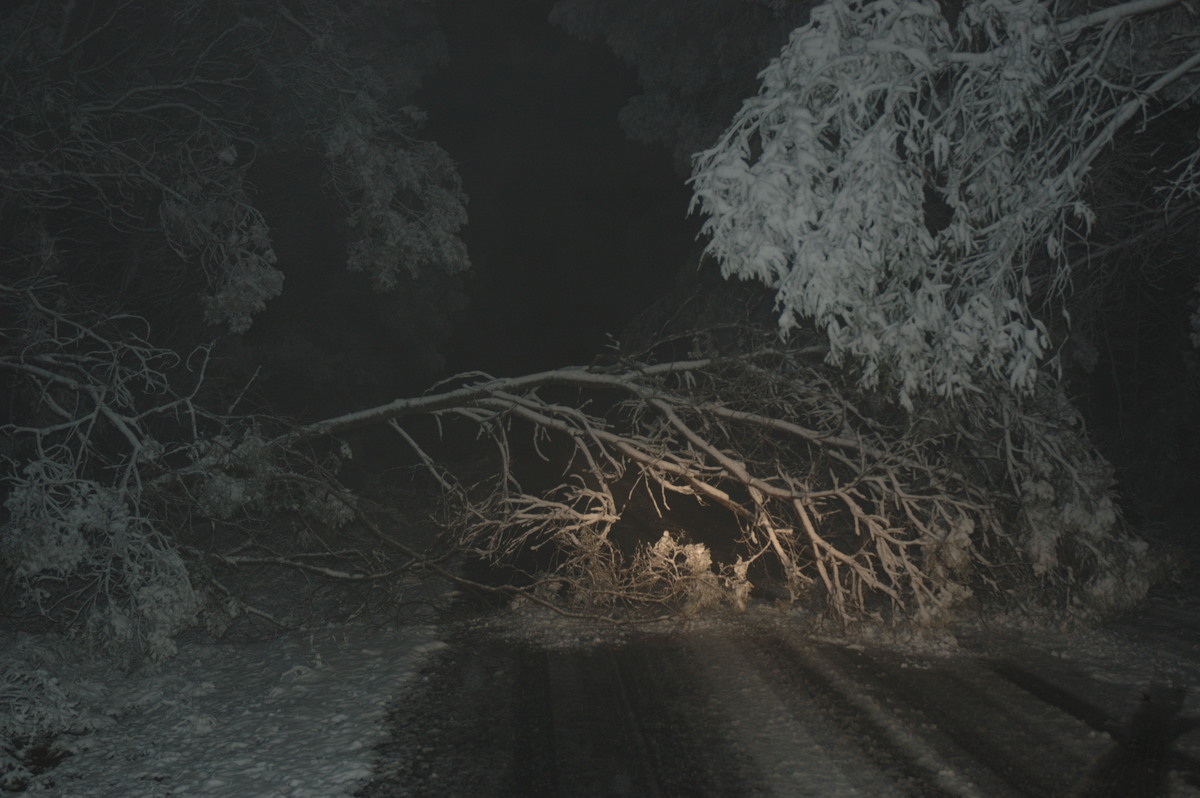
(132, 131)
(914, 180)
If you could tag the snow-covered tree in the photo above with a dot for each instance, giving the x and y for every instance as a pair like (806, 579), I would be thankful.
(912, 177)
(926, 184)
(109, 460)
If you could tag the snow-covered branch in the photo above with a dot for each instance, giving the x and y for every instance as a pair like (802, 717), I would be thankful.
(692, 483)
(1066, 31)
(905, 185)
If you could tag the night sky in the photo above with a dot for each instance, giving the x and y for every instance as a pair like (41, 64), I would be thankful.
(573, 228)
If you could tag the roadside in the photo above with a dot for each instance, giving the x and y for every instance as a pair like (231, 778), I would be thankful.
(296, 715)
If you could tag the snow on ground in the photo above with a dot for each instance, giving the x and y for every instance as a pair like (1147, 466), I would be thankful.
(297, 715)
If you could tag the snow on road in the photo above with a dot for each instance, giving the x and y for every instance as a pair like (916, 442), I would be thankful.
(749, 702)
(528, 704)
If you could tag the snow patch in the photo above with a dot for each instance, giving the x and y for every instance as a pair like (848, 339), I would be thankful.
(296, 716)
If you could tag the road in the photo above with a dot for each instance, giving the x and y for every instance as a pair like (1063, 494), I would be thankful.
(748, 708)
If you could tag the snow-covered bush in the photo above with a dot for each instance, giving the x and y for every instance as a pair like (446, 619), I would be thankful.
(686, 573)
(69, 537)
(33, 705)
(81, 542)
(1068, 528)
(108, 465)
(47, 708)
(1064, 521)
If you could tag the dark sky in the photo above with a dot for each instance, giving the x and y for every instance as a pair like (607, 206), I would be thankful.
(573, 229)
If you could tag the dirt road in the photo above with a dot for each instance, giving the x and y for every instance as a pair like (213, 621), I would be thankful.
(747, 709)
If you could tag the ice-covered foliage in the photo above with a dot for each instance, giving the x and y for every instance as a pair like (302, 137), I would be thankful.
(35, 709)
(913, 184)
(209, 220)
(33, 705)
(240, 472)
(1066, 527)
(80, 544)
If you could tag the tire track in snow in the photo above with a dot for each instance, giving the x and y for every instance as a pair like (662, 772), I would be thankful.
(782, 717)
(722, 712)
(688, 742)
(598, 744)
(501, 718)
(947, 721)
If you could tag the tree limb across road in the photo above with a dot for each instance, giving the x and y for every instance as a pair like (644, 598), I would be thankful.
(691, 483)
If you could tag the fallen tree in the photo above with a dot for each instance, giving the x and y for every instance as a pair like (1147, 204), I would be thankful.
(691, 483)
(131, 512)
(121, 488)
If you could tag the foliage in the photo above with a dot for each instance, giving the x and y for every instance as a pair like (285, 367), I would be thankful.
(140, 149)
(913, 183)
(131, 588)
(131, 133)
(123, 171)
(407, 205)
(680, 484)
